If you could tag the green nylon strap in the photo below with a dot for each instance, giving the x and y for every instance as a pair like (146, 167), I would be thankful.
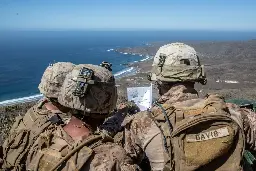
(249, 157)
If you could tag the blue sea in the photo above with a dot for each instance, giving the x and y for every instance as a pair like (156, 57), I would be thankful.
(24, 55)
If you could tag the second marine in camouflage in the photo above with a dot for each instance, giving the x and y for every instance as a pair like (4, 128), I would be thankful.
(185, 132)
(61, 131)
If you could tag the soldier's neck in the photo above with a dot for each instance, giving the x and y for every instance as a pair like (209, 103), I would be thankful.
(173, 86)
(178, 92)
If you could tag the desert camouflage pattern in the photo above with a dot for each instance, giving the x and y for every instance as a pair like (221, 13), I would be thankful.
(143, 135)
(24, 133)
(247, 118)
(53, 78)
(177, 62)
(196, 125)
(100, 98)
(35, 143)
(111, 157)
(175, 52)
(113, 124)
(178, 93)
(55, 144)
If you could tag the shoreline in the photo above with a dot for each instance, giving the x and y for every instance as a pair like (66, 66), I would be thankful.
(230, 69)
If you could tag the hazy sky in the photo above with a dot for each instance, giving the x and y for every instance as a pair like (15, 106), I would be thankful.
(128, 14)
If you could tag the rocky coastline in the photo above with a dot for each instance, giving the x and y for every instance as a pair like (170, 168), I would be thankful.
(230, 69)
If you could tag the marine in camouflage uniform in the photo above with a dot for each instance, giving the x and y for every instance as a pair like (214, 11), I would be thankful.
(176, 68)
(61, 131)
(96, 101)
(27, 129)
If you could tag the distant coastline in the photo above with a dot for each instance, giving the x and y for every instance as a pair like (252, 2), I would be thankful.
(207, 52)
(230, 68)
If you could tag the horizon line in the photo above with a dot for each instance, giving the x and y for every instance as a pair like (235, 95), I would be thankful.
(131, 29)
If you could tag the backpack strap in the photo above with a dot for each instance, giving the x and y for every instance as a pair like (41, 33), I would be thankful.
(166, 130)
(166, 137)
(87, 142)
(249, 161)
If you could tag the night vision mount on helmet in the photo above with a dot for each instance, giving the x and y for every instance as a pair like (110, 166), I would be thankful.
(84, 78)
(106, 65)
(89, 88)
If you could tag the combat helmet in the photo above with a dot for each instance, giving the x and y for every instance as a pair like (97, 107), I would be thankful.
(53, 78)
(89, 88)
(177, 62)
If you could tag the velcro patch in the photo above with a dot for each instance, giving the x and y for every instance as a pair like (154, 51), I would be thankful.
(204, 136)
(194, 111)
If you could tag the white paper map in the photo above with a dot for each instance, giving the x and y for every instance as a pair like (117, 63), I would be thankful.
(142, 96)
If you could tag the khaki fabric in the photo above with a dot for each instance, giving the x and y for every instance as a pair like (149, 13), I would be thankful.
(42, 146)
(177, 62)
(142, 134)
(54, 145)
(199, 134)
(100, 97)
(23, 134)
(247, 118)
(53, 78)
(110, 157)
(140, 126)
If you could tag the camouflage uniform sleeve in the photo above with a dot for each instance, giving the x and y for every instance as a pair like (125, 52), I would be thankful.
(112, 124)
(144, 137)
(110, 157)
(248, 121)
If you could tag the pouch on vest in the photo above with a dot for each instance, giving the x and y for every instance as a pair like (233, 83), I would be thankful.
(21, 137)
(44, 159)
(15, 145)
(200, 134)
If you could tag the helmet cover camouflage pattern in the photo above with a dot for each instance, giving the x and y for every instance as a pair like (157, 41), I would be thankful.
(53, 78)
(177, 62)
(100, 97)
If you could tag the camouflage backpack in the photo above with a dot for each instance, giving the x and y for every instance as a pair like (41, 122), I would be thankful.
(23, 135)
(200, 134)
(37, 142)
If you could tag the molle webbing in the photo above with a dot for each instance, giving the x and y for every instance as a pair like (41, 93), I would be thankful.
(85, 143)
(194, 131)
(22, 136)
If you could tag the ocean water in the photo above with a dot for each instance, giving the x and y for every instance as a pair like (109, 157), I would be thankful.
(24, 55)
